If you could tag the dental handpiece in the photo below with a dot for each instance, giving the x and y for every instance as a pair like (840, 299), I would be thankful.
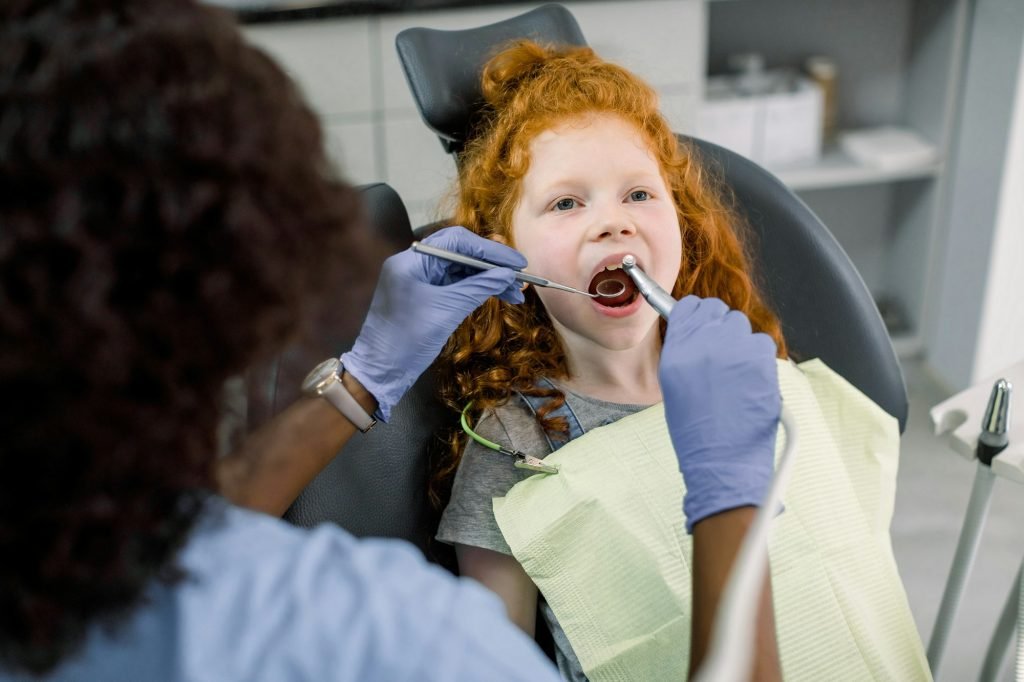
(659, 299)
(994, 426)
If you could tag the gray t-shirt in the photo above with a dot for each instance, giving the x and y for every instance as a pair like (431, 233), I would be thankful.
(484, 474)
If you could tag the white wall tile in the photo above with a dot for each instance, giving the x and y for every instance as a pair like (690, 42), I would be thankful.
(416, 165)
(330, 59)
(681, 108)
(351, 146)
(663, 41)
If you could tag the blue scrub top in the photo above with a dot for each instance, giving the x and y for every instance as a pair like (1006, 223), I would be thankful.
(265, 600)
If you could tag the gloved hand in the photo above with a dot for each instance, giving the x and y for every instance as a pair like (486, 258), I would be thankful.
(722, 404)
(418, 303)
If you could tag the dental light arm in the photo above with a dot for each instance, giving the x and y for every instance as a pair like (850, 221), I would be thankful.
(732, 642)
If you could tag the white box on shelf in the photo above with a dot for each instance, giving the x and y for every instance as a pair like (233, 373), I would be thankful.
(728, 120)
(791, 126)
(888, 147)
(776, 130)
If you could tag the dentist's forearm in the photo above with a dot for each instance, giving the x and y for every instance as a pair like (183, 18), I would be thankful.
(276, 462)
(716, 542)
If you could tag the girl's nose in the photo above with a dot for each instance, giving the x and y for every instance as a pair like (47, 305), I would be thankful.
(615, 225)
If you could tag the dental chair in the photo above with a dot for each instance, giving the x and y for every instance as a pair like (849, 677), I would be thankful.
(825, 309)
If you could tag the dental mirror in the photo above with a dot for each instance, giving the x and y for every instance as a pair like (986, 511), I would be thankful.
(610, 288)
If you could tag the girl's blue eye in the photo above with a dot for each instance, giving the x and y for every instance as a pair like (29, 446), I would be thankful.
(565, 204)
(639, 195)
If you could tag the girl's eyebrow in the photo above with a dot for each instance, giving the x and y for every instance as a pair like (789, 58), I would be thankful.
(644, 175)
(631, 177)
(547, 191)
(561, 187)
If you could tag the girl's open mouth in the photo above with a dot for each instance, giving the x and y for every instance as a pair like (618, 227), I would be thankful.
(613, 278)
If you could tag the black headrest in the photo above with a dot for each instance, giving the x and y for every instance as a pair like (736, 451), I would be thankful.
(443, 67)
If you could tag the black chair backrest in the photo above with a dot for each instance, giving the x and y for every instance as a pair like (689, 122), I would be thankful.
(443, 67)
(377, 485)
(826, 310)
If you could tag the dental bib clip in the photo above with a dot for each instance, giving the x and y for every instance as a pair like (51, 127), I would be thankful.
(522, 460)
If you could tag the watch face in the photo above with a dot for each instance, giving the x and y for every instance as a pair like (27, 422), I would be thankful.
(322, 372)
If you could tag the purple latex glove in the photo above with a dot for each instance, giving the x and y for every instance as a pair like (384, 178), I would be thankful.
(722, 405)
(419, 302)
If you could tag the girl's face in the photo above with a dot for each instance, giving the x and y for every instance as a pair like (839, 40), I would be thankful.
(593, 193)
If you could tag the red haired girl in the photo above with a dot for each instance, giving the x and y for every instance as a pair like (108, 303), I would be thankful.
(575, 167)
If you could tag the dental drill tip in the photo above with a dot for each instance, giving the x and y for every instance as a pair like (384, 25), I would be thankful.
(993, 438)
(628, 261)
(997, 412)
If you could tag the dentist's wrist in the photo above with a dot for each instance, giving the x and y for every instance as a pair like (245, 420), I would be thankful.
(362, 396)
(369, 384)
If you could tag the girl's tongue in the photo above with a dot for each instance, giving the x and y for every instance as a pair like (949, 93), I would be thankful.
(616, 278)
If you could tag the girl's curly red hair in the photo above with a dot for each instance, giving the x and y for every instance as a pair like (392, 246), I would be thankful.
(529, 88)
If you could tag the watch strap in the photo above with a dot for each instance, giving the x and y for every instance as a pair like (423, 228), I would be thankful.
(336, 394)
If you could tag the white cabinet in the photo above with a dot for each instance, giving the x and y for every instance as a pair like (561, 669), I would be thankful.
(899, 63)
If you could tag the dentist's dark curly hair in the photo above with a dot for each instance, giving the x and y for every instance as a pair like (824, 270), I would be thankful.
(167, 215)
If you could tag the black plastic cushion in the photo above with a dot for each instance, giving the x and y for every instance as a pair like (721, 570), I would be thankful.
(443, 67)
(377, 485)
(386, 215)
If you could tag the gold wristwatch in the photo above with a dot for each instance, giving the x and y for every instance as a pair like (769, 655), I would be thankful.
(325, 381)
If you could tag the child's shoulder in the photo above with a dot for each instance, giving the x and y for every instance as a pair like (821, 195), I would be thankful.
(509, 420)
(589, 411)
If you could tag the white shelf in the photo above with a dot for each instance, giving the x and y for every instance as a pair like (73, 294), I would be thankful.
(836, 169)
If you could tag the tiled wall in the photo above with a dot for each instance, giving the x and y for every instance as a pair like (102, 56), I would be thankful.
(349, 70)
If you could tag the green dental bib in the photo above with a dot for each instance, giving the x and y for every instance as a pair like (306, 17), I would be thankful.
(605, 542)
